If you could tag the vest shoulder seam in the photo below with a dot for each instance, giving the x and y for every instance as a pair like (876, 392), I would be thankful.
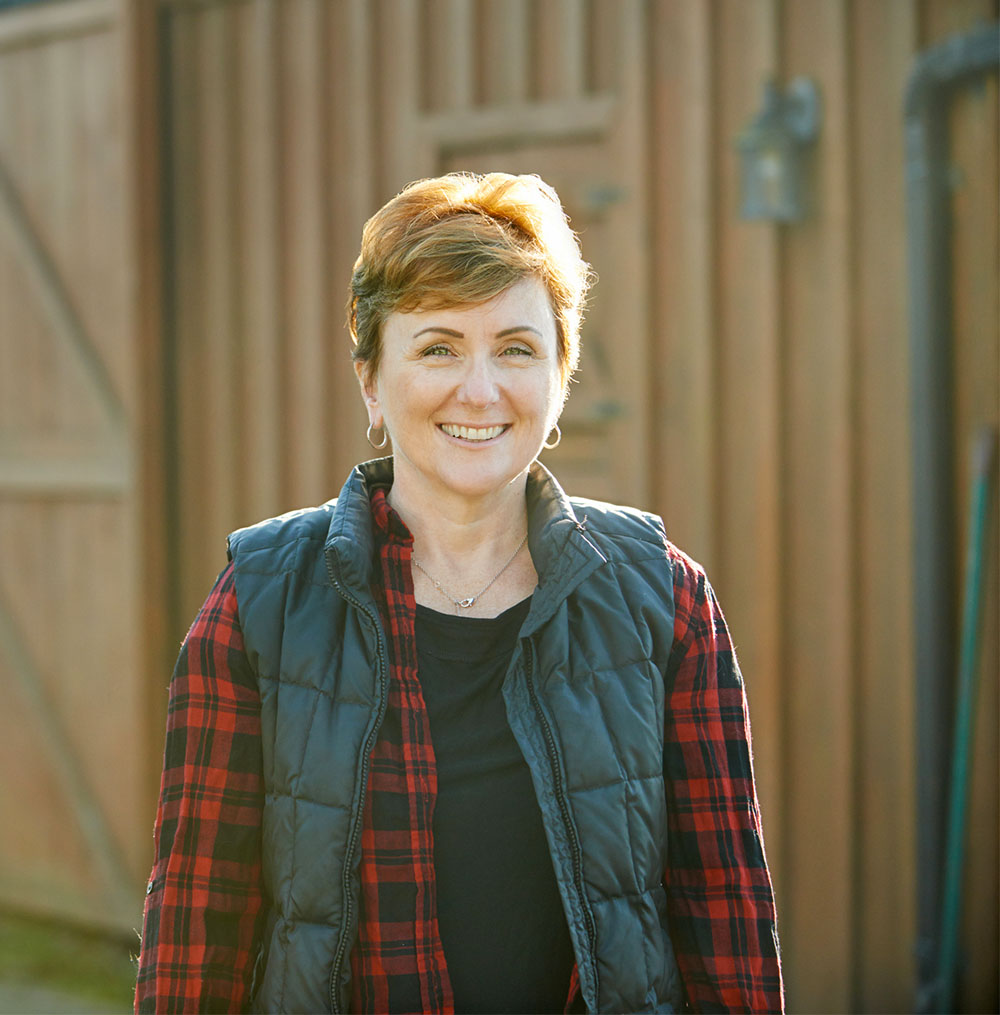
(651, 537)
(292, 538)
(612, 783)
(629, 562)
(274, 794)
(645, 893)
(620, 664)
(318, 690)
(243, 569)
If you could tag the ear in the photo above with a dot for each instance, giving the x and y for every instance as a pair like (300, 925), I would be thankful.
(369, 392)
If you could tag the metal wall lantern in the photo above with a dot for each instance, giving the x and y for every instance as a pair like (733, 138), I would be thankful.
(774, 153)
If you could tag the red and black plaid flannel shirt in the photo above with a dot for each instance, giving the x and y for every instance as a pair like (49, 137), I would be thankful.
(204, 899)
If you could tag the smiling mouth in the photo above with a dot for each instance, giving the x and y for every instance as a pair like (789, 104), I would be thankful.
(473, 433)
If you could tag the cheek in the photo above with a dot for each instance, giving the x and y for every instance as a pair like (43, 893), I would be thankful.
(408, 398)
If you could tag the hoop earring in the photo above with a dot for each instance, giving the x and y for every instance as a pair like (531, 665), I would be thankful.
(555, 443)
(385, 436)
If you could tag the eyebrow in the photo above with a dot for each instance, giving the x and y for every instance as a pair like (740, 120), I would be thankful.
(519, 328)
(438, 330)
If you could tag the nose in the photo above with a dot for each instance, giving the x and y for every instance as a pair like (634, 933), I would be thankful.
(479, 387)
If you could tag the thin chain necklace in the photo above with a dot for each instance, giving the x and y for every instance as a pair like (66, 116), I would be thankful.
(464, 604)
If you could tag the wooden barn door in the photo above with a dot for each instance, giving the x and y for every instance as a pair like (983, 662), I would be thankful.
(75, 806)
(288, 125)
(554, 89)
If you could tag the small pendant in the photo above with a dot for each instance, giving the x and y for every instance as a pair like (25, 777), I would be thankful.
(466, 603)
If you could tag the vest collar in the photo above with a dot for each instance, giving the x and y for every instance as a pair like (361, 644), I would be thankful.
(561, 549)
(350, 538)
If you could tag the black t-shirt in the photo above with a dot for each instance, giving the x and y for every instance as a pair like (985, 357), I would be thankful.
(501, 920)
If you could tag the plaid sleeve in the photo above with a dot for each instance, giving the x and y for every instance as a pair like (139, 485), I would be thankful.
(203, 900)
(720, 901)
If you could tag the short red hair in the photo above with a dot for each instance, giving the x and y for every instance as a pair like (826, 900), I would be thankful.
(459, 240)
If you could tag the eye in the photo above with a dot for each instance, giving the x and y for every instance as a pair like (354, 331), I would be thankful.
(517, 350)
(436, 350)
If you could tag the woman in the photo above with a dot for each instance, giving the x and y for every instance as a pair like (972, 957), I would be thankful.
(455, 741)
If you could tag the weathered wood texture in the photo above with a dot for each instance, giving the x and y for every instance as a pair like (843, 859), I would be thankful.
(79, 523)
(748, 381)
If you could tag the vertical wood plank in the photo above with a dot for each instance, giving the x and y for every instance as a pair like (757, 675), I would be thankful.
(883, 41)
(218, 354)
(89, 540)
(99, 123)
(396, 27)
(459, 54)
(629, 233)
(820, 638)
(432, 74)
(191, 460)
(446, 63)
(505, 45)
(200, 301)
(603, 44)
(352, 118)
(35, 188)
(257, 254)
(89, 246)
(142, 74)
(682, 209)
(747, 406)
(560, 54)
(10, 352)
(305, 281)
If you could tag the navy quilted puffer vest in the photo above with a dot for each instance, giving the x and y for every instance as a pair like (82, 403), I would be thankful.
(585, 700)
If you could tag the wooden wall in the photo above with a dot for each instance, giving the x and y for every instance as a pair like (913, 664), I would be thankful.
(81, 611)
(748, 381)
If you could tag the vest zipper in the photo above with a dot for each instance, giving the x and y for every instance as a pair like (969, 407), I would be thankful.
(574, 841)
(338, 959)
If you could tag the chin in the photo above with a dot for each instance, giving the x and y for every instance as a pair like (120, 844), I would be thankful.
(481, 483)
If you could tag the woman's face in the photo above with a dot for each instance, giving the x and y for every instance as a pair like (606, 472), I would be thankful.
(468, 394)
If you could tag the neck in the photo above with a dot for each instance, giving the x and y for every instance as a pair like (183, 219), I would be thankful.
(459, 525)
(464, 542)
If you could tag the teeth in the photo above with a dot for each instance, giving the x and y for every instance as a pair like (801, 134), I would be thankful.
(472, 433)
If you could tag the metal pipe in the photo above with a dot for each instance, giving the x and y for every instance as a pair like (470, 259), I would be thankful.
(936, 74)
(984, 455)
